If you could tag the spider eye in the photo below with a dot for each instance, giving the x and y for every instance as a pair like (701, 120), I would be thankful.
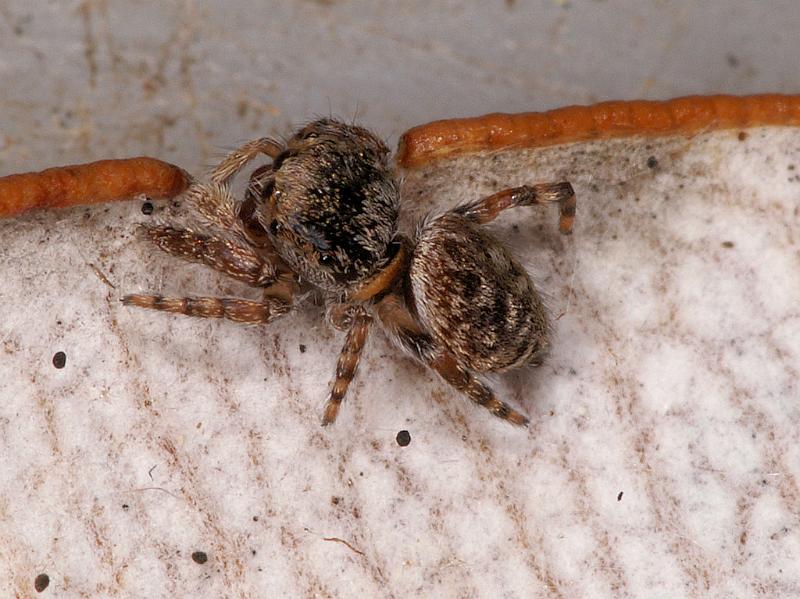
(325, 259)
(275, 227)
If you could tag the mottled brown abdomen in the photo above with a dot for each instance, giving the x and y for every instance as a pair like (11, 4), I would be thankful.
(475, 297)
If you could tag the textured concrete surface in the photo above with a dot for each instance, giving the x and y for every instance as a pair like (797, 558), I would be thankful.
(662, 460)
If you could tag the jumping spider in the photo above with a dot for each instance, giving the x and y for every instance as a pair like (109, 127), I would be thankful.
(324, 216)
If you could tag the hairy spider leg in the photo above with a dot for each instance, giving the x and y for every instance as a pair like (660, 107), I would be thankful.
(487, 209)
(258, 187)
(347, 364)
(238, 158)
(227, 253)
(215, 202)
(400, 323)
(234, 309)
(221, 242)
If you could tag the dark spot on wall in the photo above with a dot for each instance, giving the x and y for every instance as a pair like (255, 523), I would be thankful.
(727, 244)
(41, 582)
(59, 359)
(742, 135)
(652, 162)
(199, 557)
(619, 497)
(147, 208)
(403, 438)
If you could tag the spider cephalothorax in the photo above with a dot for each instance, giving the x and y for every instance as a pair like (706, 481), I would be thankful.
(330, 204)
(324, 214)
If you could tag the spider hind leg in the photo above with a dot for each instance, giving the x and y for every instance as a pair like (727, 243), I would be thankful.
(459, 377)
(400, 323)
(486, 209)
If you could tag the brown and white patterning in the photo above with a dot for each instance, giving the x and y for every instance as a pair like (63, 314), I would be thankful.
(323, 217)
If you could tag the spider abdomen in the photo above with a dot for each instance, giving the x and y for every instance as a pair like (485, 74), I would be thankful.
(475, 297)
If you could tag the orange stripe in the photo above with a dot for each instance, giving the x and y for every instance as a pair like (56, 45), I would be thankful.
(383, 279)
(95, 182)
(680, 116)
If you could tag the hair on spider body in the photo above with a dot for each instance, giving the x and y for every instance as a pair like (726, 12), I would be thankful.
(333, 204)
(323, 216)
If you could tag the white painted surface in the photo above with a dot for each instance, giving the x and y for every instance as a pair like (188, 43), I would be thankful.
(674, 373)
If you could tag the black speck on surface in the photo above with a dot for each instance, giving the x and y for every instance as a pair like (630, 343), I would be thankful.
(403, 438)
(652, 162)
(302, 348)
(125, 506)
(41, 582)
(59, 359)
(727, 244)
(619, 497)
(147, 208)
(199, 557)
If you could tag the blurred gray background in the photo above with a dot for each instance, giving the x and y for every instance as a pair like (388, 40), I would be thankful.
(186, 80)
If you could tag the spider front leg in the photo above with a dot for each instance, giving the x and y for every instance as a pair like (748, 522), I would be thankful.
(403, 326)
(213, 201)
(359, 322)
(226, 253)
(487, 209)
(234, 309)
(236, 160)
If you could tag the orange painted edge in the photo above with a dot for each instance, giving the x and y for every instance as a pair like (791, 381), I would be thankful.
(92, 183)
(688, 115)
